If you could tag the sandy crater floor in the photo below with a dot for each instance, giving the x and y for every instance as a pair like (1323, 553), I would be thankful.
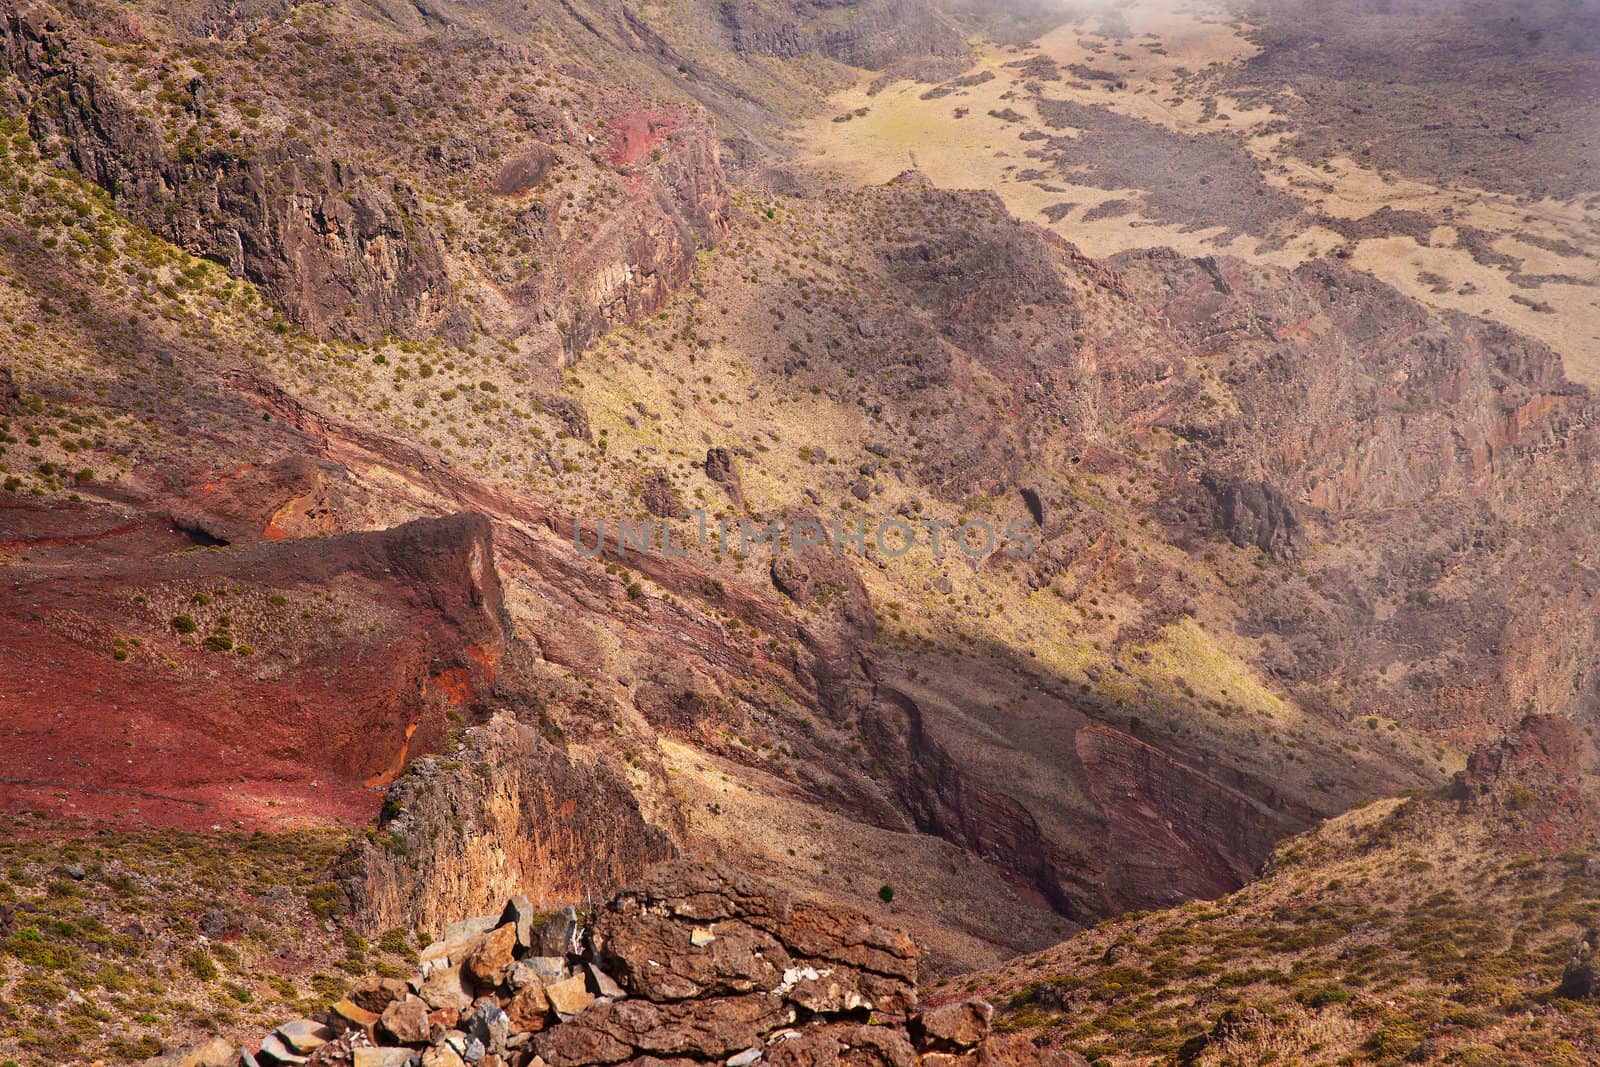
(1145, 83)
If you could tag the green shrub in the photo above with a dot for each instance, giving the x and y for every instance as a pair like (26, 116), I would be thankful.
(200, 962)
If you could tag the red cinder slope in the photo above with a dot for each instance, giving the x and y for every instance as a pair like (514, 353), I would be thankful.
(282, 681)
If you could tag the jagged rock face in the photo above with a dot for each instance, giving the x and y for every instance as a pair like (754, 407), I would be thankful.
(863, 33)
(340, 251)
(349, 249)
(1435, 445)
(1255, 513)
(721, 467)
(335, 248)
(638, 256)
(1537, 779)
(506, 812)
(361, 645)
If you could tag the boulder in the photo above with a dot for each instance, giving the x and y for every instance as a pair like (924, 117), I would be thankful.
(446, 988)
(569, 996)
(384, 1057)
(376, 994)
(353, 1015)
(490, 963)
(536, 969)
(602, 984)
(559, 936)
(488, 1024)
(520, 916)
(406, 1022)
(658, 494)
(213, 1053)
(1578, 979)
(529, 1010)
(304, 1036)
(276, 1050)
(952, 1027)
(695, 1029)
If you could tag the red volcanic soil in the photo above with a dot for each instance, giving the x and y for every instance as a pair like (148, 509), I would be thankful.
(315, 668)
(634, 135)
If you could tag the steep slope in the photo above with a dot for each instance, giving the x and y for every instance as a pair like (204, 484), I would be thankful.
(1452, 927)
(250, 150)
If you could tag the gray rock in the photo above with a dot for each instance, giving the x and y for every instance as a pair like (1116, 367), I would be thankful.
(304, 1036)
(602, 984)
(214, 923)
(275, 1049)
(559, 937)
(525, 974)
(487, 1023)
(465, 929)
(520, 914)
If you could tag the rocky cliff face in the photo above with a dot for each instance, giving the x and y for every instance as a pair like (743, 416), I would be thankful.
(338, 249)
(335, 232)
(630, 265)
(506, 811)
(863, 33)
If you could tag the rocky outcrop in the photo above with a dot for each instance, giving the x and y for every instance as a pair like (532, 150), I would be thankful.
(507, 811)
(1542, 749)
(10, 395)
(863, 33)
(696, 964)
(292, 497)
(1255, 513)
(721, 467)
(340, 251)
(640, 254)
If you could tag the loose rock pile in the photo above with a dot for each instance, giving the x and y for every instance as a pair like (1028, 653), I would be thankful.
(697, 965)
